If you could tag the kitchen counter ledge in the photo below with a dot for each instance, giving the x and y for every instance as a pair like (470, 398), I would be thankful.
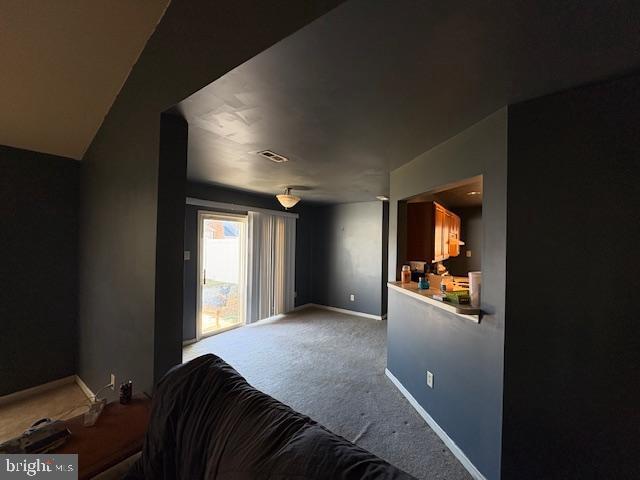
(467, 312)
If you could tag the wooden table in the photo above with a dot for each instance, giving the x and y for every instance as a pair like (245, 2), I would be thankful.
(118, 434)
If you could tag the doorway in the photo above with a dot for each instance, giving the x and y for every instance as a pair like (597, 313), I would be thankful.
(222, 265)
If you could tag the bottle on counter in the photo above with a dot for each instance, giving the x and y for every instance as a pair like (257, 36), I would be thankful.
(423, 284)
(405, 276)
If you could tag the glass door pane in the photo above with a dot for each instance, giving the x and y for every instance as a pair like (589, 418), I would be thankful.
(222, 273)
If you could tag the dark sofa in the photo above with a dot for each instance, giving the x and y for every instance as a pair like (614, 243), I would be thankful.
(207, 422)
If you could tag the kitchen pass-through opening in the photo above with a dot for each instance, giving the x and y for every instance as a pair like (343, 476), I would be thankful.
(440, 236)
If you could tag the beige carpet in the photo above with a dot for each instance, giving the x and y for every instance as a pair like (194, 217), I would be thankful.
(65, 401)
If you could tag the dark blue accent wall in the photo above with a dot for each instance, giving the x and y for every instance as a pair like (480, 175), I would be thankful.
(38, 268)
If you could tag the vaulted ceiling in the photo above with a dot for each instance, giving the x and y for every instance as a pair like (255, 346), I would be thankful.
(374, 83)
(63, 63)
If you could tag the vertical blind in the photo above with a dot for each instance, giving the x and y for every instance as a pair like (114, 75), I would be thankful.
(272, 247)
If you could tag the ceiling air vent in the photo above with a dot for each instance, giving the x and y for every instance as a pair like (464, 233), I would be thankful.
(274, 157)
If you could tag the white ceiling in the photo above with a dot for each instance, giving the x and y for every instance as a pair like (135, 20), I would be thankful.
(63, 64)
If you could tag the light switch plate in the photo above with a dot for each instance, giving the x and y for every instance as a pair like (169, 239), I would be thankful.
(429, 379)
(468, 253)
(352, 297)
(187, 255)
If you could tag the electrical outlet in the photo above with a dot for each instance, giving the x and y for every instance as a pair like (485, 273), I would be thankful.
(429, 379)
(352, 297)
(468, 253)
(113, 382)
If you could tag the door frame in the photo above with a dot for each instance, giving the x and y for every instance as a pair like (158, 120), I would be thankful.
(242, 287)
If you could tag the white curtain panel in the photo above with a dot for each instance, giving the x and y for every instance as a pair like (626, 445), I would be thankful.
(272, 254)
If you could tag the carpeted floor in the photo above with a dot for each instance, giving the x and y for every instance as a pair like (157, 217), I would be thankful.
(330, 366)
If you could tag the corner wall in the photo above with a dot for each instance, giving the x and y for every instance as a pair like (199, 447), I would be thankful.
(38, 268)
(466, 358)
(347, 256)
(572, 350)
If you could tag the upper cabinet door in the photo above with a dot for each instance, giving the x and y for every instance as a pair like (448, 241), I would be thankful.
(423, 218)
(439, 252)
(446, 232)
(454, 235)
(420, 223)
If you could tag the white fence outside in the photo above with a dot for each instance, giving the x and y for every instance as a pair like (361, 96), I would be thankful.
(222, 259)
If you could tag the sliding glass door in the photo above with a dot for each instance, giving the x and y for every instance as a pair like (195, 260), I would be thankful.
(222, 272)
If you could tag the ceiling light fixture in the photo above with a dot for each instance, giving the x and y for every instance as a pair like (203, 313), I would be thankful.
(286, 199)
(383, 198)
(473, 192)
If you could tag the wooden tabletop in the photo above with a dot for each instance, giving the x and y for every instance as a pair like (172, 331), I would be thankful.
(118, 434)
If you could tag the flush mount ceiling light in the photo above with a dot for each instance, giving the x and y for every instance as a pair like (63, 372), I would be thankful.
(382, 198)
(474, 193)
(286, 199)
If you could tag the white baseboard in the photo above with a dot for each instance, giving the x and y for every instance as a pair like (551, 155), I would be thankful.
(455, 449)
(302, 307)
(85, 389)
(272, 318)
(29, 392)
(341, 310)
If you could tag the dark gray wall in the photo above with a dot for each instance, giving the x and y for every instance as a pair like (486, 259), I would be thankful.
(385, 256)
(38, 268)
(347, 256)
(572, 350)
(304, 237)
(466, 358)
(119, 218)
(305, 241)
(190, 273)
(471, 235)
(339, 250)
(174, 136)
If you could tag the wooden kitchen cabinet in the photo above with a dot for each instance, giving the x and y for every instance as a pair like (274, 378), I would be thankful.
(454, 241)
(420, 218)
(433, 232)
(443, 219)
